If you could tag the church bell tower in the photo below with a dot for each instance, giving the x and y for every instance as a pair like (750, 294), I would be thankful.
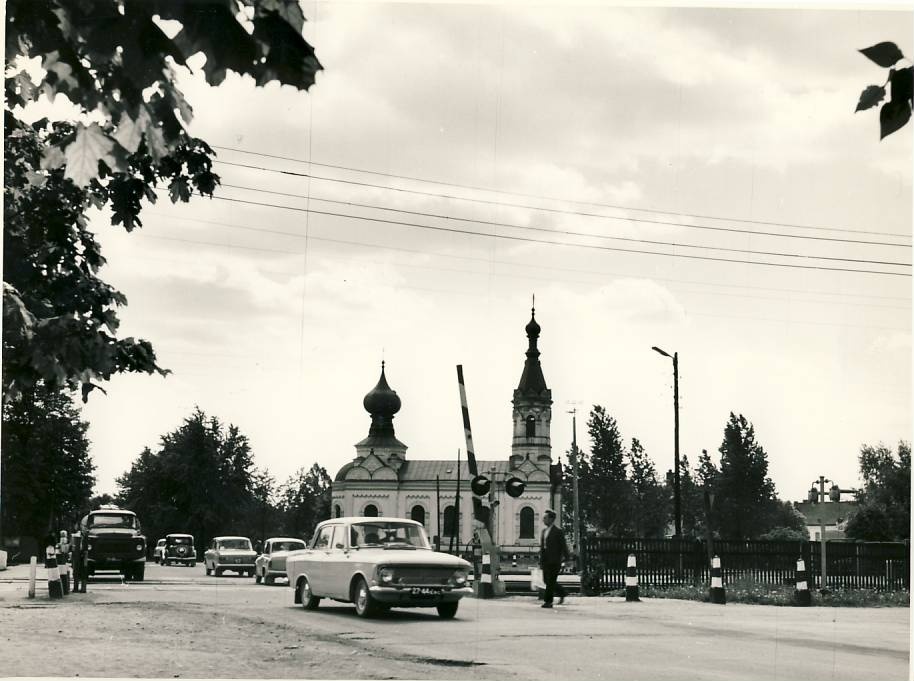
(532, 407)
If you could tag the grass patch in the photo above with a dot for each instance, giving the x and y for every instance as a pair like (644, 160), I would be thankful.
(750, 591)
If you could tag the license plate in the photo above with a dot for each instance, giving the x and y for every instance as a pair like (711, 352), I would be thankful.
(424, 591)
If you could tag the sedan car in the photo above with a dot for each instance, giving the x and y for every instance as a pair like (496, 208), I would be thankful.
(272, 562)
(377, 564)
(179, 550)
(158, 551)
(229, 553)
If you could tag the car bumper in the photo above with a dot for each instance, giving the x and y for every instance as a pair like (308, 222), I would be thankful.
(234, 566)
(113, 563)
(390, 595)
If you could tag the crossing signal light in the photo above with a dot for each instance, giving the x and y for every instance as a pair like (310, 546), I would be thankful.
(514, 487)
(480, 485)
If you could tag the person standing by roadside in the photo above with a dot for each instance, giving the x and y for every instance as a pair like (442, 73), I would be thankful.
(553, 551)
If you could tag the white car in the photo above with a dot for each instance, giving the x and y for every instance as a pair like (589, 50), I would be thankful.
(159, 551)
(272, 562)
(229, 553)
(377, 564)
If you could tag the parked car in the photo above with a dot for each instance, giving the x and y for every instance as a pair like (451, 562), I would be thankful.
(377, 563)
(158, 551)
(229, 553)
(115, 542)
(272, 562)
(179, 549)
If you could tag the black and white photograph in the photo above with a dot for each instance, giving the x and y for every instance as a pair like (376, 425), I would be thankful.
(375, 339)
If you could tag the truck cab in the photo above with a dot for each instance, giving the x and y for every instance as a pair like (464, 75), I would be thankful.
(115, 542)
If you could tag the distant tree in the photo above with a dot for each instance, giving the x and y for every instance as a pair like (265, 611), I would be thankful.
(304, 500)
(263, 515)
(604, 487)
(884, 512)
(114, 62)
(47, 471)
(745, 498)
(895, 113)
(651, 503)
(690, 500)
(201, 480)
(785, 534)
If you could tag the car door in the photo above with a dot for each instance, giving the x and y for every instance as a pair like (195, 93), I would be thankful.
(316, 566)
(337, 563)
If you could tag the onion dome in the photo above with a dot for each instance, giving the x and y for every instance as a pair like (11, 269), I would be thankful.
(532, 381)
(532, 328)
(381, 400)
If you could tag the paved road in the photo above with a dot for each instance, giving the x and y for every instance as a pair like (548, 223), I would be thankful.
(180, 622)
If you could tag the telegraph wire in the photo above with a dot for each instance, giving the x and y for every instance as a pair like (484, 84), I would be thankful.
(508, 263)
(454, 230)
(788, 225)
(566, 232)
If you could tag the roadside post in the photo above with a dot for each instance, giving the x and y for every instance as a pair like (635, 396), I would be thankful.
(55, 590)
(33, 569)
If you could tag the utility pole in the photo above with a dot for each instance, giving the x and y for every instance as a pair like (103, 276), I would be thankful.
(823, 581)
(577, 499)
(677, 507)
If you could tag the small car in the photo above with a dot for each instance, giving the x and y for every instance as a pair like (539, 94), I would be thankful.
(179, 549)
(158, 551)
(377, 564)
(272, 562)
(229, 553)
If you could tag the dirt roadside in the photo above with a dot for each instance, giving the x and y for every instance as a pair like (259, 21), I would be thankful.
(91, 635)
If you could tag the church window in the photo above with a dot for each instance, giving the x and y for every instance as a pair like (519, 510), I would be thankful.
(371, 511)
(531, 426)
(450, 522)
(418, 514)
(337, 511)
(526, 523)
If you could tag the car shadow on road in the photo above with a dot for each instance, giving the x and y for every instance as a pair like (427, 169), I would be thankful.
(396, 615)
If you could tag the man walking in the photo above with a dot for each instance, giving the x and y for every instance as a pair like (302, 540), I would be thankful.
(553, 550)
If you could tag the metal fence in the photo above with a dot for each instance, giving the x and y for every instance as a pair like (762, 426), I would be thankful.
(672, 562)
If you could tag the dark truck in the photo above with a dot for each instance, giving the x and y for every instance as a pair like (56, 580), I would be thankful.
(115, 542)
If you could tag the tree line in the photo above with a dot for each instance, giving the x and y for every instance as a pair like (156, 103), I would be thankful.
(622, 495)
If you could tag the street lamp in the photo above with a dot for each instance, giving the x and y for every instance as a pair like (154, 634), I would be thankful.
(576, 527)
(677, 509)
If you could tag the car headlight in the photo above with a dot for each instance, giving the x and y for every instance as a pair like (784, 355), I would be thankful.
(386, 575)
(139, 547)
(459, 578)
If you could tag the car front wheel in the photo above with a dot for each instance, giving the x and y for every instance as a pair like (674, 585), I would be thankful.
(365, 604)
(448, 610)
(308, 600)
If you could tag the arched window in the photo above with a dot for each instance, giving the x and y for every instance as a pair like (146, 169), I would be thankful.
(526, 523)
(418, 514)
(450, 522)
(371, 511)
(531, 426)
(337, 511)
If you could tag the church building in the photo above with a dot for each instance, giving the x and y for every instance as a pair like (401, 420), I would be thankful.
(382, 481)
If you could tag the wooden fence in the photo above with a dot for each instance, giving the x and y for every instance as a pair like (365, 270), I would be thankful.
(672, 562)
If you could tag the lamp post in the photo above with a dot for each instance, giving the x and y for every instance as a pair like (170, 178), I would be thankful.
(438, 502)
(677, 508)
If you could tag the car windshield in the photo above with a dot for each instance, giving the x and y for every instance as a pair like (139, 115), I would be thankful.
(287, 546)
(234, 544)
(112, 520)
(387, 534)
(180, 540)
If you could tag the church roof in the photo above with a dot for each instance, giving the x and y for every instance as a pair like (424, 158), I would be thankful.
(427, 470)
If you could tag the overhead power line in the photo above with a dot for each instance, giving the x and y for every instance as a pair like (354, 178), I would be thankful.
(503, 204)
(507, 237)
(566, 232)
(539, 266)
(505, 192)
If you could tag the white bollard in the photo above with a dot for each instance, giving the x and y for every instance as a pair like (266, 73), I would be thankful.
(33, 568)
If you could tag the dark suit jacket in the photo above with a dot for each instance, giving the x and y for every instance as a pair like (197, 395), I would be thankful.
(555, 549)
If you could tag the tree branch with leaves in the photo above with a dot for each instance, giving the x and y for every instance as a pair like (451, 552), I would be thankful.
(895, 113)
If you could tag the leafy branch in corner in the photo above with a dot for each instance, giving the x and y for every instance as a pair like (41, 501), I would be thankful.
(896, 112)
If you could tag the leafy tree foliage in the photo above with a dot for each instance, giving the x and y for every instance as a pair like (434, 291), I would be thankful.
(201, 481)
(895, 113)
(114, 60)
(304, 501)
(47, 472)
(604, 488)
(691, 500)
(745, 500)
(885, 500)
(650, 508)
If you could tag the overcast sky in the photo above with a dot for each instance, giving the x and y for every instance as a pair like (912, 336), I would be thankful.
(723, 123)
